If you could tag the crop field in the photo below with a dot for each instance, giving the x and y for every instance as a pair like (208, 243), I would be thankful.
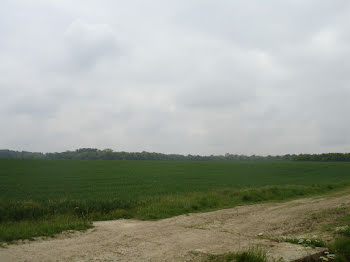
(43, 197)
(133, 180)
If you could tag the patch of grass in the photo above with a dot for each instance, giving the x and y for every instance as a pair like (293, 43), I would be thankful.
(306, 242)
(172, 205)
(252, 255)
(345, 221)
(345, 232)
(341, 248)
(155, 207)
(11, 231)
(338, 222)
(334, 219)
(338, 214)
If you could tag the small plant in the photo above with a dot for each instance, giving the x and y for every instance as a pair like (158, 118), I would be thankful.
(345, 231)
(254, 254)
(341, 246)
(306, 242)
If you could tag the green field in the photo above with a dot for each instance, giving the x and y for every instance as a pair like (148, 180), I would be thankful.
(131, 180)
(51, 193)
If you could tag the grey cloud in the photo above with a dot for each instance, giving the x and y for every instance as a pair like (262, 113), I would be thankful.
(175, 76)
(33, 107)
(265, 25)
(87, 43)
(217, 95)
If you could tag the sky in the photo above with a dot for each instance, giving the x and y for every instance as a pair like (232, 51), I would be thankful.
(185, 76)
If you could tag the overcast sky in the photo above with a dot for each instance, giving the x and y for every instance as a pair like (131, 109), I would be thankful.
(180, 76)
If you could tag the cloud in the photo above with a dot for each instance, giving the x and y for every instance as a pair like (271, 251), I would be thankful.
(175, 76)
(88, 43)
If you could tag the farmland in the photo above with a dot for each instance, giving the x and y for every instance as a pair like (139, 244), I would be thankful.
(49, 196)
(132, 180)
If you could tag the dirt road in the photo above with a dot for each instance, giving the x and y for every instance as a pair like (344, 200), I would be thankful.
(186, 237)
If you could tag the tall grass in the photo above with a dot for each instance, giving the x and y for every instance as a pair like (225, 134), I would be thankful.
(341, 246)
(46, 226)
(172, 205)
(156, 207)
(254, 254)
(26, 219)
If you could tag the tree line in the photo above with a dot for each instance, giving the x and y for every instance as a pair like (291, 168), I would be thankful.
(322, 157)
(109, 154)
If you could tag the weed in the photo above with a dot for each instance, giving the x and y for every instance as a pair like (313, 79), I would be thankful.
(255, 254)
(306, 242)
(341, 248)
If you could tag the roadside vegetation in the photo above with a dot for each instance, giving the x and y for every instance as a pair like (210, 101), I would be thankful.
(341, 245)
(307, 242)
(254, 254)
(43, 227)
(45, 197)
(28, 219)
(336, 221)
(339, 248)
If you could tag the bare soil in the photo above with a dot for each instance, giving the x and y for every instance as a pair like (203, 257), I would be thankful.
(190, 237)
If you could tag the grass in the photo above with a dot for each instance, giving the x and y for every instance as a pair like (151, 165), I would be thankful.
(341, 248)
(156, 207)
(45, 227)
(306, 242)
(337, 221)
(251, 255)
(345, 232)
(341, 245)
(27, 219)
(345, 221)
(40, 180)
(45, 197)
(172, 205)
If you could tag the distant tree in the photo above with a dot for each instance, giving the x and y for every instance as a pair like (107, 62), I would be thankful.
(109, 154)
